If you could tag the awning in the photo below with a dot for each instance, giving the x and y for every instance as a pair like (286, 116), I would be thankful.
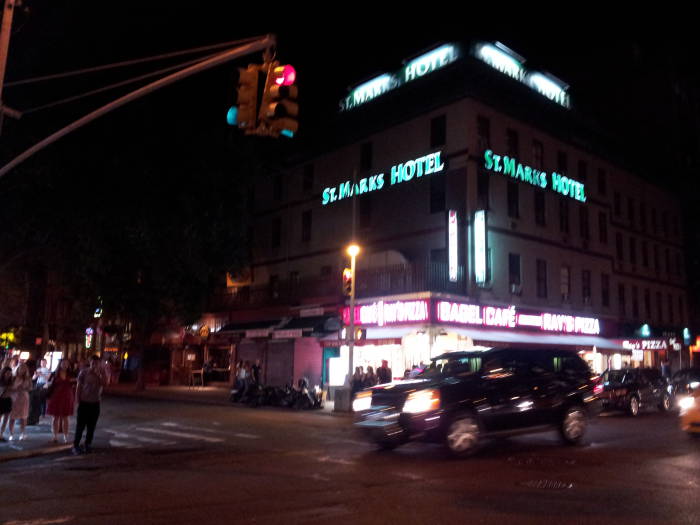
(314, 326)
(530, 338)
(249, 326)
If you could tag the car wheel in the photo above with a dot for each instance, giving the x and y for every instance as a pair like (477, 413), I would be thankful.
(462, 436)
(665, 404)
(573, 425)
(633, 407)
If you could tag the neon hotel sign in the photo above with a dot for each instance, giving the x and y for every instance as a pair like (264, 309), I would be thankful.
(390, 313)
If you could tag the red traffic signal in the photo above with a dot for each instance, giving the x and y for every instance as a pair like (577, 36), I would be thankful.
(347, 281)
(284, 75)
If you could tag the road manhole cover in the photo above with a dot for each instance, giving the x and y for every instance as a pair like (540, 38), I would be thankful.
(541, 461)
(547, 484)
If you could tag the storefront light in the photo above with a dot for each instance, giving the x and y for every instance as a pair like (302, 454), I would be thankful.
(422, 401)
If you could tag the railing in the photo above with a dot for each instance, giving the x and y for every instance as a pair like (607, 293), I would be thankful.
(372, 282)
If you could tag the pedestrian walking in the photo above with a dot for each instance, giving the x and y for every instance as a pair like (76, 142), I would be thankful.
(41, 379)
(5, 399)
(88, 394)
(384, 373)
(21, 385)
(370, 378)
(60, 392)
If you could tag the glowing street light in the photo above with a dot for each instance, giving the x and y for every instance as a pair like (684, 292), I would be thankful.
(353, 250)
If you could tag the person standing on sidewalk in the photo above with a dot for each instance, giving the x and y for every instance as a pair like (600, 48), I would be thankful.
(88, 394)
(5, 399)
(21, 386)
(41, 378)
(61, 397)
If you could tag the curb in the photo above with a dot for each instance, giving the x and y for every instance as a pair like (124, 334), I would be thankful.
(23, 454)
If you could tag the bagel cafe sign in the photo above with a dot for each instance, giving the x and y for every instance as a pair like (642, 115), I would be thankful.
(399, 173)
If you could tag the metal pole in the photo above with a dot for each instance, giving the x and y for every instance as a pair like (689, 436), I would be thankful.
(5, 33)
(222, 58)
(351, 335)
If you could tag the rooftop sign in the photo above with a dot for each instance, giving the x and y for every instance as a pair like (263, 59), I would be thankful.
(555, 182)
(510, 63)
(414, 69)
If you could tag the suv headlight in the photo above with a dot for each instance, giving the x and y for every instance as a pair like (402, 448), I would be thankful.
(422, 401)
(686, 403)
(362, 401)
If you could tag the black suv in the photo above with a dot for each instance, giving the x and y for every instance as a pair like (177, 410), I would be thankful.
(632, 389)
(463, 397)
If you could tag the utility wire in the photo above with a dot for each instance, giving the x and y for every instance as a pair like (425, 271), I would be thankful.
(130, 62)
(115, 85)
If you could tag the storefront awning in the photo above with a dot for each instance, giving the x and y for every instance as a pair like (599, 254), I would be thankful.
(252, 328)
(317, 326)
(530, 338)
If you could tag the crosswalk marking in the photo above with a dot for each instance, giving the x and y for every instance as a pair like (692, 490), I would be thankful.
(180, 434)
(122, 444)
(123, 435)
(187, 427)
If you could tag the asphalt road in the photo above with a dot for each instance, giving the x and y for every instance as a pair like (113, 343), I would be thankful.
(179, 463)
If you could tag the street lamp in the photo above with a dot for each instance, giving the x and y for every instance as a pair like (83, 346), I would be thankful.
(353, 250)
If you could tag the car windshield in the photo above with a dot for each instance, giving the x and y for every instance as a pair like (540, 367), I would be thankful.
(453, 365)
(616, 376)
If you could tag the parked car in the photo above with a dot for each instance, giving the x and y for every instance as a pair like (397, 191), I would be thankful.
(684, 382)
(634, 389)
(464, 397)
(689, 405)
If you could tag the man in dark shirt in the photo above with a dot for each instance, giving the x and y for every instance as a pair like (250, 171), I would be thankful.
(88, 394)
(255, 371)
(384, 373)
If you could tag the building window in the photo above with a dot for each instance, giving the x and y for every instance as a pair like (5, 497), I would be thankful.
(438, 131)
(582, 171)
(565, 283)
(642, 217)
(483, 132)
(583, 222)
(645, 254)
(681, 310)
(512, 142)
(562, 162)
(659, 308)
(635, 302)
(630, 211)
(657, 266)
(537, 154)
(541, 278)
(617, 206)
(513, 200)
(365, 210)
(664, 224)
(676, 226)
(513, 269)
(274, 286)
(679, 264)
(605, 289)
(671, 316)
(603, 228)
(602, 181)
(667, 256)
(277, 187)
(647, 304)
(586, 286)
(540, 208)
(437, 194)
(366, 156)
(619, 248)
(306, 226)
(621, 298)
(308, 178)
(653, 221)
(276, 237)
(563, 216)
(633, 250)
(482, 189)
(294, 279)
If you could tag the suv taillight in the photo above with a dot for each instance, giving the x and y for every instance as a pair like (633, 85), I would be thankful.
(598, 388)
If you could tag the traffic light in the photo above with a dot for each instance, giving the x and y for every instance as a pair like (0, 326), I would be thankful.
(279, 108)
(245, 113)
(347, 281)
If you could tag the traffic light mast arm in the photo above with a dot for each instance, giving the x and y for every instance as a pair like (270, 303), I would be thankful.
(222, 58)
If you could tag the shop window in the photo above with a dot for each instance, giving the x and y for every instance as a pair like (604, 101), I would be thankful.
(617, 206)
(605, 289)
(306, 226)
(276, 237)
(366, 156)
(563, 216)
(541, 278)
(537, 154)
(586, 286)
(562, 163)
(307, 183)
(483, 133)
(565, 283)
(513, 196)
(645, 254)
(583, 222)
(438, 131)
(603, 228)
(513, 270)
(619, 248)
(511, 143)
(437, 194)
(647, 304)
(482, 190)
(633, 250)
(635, 302)
(540, 216)
(602, 181)
(621, 299)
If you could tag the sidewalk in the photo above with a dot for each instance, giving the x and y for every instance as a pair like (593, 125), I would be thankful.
(37, 442)
(208, 395)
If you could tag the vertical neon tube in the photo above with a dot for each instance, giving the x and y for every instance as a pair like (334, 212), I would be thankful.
(480, 248)
(452, 245)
